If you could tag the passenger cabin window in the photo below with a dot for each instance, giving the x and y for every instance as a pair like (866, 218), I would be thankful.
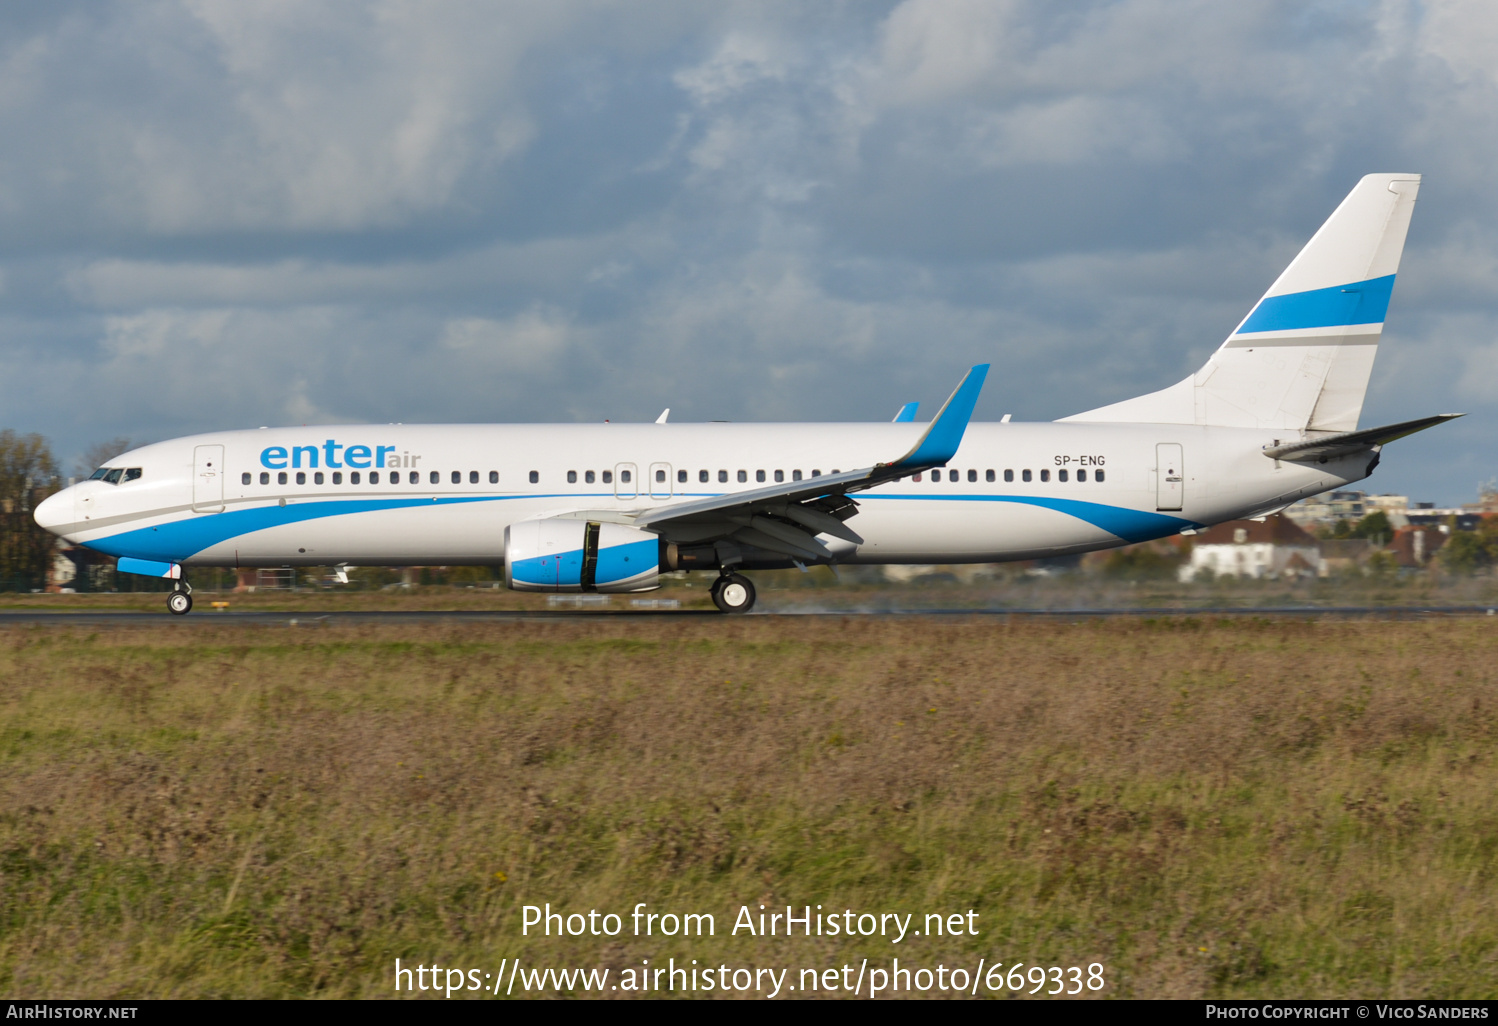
(660, 477)
(1045, 475)
(704, 476)
(572, 477)
(244, 478)
(759, 475)
(681, 477)
(435, 477)
(589, 477)
(374, 477)
(494, 476)
(265, 477)
(1061, 476)
(458, 477)
(317, 478)
(608, 477)
(1098, 477)
(535, 477)
(1081, 475)
(353, 477)
(1024, 475)
(281, 477)
(972, 475)
(1008, 475)
(795, 475)
(301, 477)
(722, 477)
(779, 476)
(338, 477)
(473, 477)
(625, 477)
(743, 476)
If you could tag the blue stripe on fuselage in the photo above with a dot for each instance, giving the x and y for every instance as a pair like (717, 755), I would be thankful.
(1131, 525)
(178, 540)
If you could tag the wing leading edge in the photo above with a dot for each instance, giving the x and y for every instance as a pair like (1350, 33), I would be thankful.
(787, 517)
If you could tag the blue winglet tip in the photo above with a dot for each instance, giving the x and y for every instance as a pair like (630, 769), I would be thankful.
(907, 413)
(945, 433)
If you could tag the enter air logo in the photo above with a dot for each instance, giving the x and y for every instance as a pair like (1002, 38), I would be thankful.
(334, 455)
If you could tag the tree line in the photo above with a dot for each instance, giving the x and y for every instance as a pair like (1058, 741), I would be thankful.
(28, 474)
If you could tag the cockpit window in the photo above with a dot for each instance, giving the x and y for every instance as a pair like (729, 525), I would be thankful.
(132, 474)
(98, 474)
(113, 476)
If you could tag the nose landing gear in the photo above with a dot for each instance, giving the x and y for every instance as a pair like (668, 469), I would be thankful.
(179, 602)
(733, 593)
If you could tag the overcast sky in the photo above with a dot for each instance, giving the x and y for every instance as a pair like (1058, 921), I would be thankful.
(219, 214)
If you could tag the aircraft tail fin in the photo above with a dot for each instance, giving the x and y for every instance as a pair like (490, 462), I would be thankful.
(1302, 357)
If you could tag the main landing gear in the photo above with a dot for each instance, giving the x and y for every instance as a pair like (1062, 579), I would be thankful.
(179, 601)
(733, 593)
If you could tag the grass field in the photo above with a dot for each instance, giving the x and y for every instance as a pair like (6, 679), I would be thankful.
(1240, 807)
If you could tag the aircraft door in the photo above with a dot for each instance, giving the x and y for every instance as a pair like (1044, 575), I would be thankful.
(660, 480)
(1170, 476)
(208, 479)
(624, 481)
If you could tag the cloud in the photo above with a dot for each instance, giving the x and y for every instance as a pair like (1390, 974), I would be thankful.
(534, 339)
(216, 214)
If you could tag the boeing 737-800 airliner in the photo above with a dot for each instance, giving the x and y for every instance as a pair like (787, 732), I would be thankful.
(1270, 418)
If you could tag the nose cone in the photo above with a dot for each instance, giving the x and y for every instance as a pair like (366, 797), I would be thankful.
(55, 511)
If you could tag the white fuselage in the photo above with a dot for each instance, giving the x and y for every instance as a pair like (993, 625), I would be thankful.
(238, 512)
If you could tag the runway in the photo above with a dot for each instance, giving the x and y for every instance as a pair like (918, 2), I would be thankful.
(31, 618)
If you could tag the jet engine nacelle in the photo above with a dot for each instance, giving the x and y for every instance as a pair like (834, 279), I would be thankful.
(581, 555)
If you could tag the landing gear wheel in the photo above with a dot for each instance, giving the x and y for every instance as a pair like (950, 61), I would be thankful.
(179, 602)
(733, 593)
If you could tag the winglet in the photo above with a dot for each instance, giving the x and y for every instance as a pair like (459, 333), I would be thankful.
(939, 443)
(906, 414)
(664, 414)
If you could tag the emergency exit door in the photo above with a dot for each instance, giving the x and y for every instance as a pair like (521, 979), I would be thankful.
(208, 479)
(1170, 476)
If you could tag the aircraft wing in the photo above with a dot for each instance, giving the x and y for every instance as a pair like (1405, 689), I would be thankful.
(786, 517)
(1347, 443)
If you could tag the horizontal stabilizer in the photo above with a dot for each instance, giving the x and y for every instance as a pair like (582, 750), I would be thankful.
(1347, 443)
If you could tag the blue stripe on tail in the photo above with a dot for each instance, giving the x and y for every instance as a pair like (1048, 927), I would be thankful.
(1361, 302)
